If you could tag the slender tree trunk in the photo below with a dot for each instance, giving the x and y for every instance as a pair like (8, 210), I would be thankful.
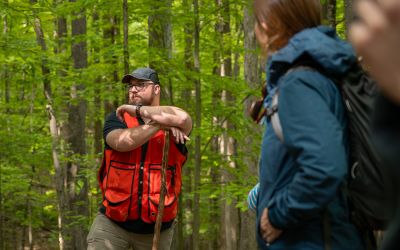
(247, 220)
(110, 104)
(197, 140)
(331, 14)
(5, 69)
(2, 238)
(160, 44)
(29, 210)
(60, 168)
(53, 130)
(348, 14)
(7, 100)
(98, 131)
(186, 241)
(216, 208)
(126, 34)
(228, 144)
(97, 117)
(75, 136)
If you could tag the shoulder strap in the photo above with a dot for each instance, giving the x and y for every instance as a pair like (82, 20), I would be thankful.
(272, 112)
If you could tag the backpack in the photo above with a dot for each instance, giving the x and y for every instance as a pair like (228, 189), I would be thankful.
(368, 179)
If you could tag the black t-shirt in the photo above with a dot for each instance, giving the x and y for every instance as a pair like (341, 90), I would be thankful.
(112, 122)
(137, 226)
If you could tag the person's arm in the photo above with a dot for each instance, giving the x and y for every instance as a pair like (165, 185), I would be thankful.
(124, 140)
(376, 38)
(167, 116)
(315, 139)
(121, 138)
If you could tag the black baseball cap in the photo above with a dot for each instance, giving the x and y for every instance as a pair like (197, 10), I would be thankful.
(142, 74)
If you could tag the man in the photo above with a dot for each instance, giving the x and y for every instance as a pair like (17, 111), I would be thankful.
(376, 38)
(130, 175)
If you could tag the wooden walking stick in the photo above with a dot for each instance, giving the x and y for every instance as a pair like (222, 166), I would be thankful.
(163, 190)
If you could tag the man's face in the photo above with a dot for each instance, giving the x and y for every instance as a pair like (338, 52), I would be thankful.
(142, 92)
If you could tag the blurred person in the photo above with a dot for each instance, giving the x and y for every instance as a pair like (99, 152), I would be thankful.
(302, 203)
(376, 38)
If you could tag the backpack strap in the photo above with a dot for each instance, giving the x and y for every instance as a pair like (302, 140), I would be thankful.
(272, 112)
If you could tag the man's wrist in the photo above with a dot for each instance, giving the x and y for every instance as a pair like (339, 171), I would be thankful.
(137, 110)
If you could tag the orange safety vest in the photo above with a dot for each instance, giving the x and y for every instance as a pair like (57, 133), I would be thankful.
(130, 181)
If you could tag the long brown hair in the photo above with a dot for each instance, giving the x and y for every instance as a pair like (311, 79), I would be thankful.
(285, 18)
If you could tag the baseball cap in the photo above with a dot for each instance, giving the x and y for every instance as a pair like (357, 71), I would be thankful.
(142, 74)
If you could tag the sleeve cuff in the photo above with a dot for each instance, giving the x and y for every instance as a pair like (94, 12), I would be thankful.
(275, 219)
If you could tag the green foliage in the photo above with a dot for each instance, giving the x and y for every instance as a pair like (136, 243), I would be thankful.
(26, 160)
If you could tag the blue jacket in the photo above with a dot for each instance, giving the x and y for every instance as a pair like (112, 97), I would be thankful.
(303, 177)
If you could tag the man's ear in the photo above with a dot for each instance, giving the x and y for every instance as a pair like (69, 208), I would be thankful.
(157, 89)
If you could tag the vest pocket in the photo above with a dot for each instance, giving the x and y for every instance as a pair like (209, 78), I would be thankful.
(171, 199)
(117, 205)
(120, 181)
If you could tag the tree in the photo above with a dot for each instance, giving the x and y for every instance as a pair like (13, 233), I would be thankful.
(160, 43)
(252, 78)
(77, 184)
(197, 124)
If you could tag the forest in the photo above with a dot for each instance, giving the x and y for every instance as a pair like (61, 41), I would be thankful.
(61, 69)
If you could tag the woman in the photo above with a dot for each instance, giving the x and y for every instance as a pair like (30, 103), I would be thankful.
(301, 203)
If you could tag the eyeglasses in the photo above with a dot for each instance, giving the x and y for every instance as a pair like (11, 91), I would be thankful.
(139, 86)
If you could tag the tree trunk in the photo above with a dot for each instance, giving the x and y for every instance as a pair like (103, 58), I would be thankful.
(5, 69)
(197, 140)
(185, 241)
(126, 34)
(110, 33)
(59, 177)
(348, 14)
(60, 168)
(98, 128)
(29, 209)
(331, 13)
(97, 118)
(160, 44)
(75, 136)
(230, 220)
(247, 219)
(7, 100)
(216, 210)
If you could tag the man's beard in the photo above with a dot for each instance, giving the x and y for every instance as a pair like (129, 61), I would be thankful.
(140, 101)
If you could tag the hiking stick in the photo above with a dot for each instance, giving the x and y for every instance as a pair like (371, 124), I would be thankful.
(163, 190)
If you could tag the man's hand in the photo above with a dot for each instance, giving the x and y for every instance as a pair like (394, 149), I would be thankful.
(376, 39)
(179, 136)
(268, 232)
(130, 109)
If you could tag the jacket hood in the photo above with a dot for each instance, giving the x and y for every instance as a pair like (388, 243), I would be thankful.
(321, 45)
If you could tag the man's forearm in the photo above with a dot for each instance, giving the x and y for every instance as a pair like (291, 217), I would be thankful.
(168, 116)
(124, 140)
